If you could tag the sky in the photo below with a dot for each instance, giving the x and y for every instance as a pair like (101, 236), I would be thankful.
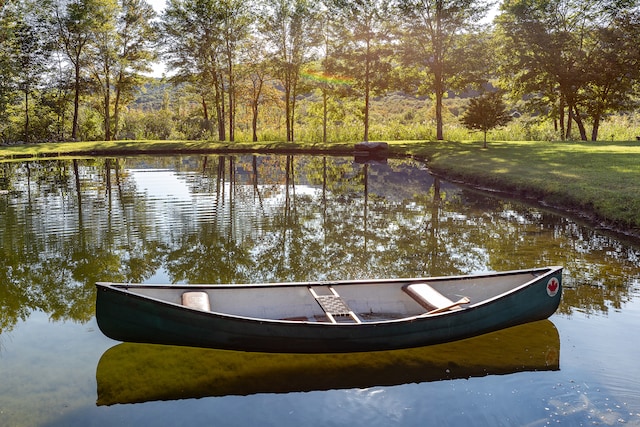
(158, 5)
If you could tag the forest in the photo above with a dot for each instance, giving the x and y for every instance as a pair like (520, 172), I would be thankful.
(316, 71)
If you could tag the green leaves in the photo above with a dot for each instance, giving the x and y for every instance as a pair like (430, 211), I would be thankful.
(486, 112)
(573, 54)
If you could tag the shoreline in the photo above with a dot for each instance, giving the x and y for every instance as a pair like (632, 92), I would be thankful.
(451, 161)
(582, 215)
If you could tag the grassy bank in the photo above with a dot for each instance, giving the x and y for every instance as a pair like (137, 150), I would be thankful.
(600, 180)
(102, 148)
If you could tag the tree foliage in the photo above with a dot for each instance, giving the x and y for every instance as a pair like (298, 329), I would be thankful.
(434, 42)
(203, 44)
(485, 113)
(290, 26)
(574, 54)
(135, 52)
(571, 62)
(363, 50)
(75, 21)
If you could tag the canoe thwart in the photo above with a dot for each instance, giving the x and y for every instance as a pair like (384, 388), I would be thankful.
(333, 305)
(431, 299)
(196, 299)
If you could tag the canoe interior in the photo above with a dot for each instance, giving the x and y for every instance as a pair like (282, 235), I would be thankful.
(371, 301)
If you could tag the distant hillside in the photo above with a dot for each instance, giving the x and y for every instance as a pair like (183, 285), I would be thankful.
(152, 95)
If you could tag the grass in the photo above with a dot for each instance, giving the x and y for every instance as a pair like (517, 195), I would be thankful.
(600, 180)
(124, 147)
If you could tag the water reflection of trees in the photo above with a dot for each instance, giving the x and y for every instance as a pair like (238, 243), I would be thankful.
(68, 224)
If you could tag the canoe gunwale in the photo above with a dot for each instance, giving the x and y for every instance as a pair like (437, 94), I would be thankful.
(541, 270)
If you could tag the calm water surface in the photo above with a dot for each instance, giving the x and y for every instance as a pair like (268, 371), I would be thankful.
(237, 219)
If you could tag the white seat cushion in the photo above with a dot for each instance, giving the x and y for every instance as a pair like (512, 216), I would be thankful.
(428, 297)
(196, 299)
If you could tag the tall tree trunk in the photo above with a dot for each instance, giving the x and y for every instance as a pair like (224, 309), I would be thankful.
(438, 70)
(255, 104)
(439, 126)
(561, 106)
(569, 121)
(367, 89)
(293, 112)
(596, 127)
(324, 115)
(290, 101)
(287, 112)
(578, 118)
(219, 101)
(107, 102)
(26, 114)
(232, 110)
(205, 114)
(116, 108)
(76, 101)
(254, 121)
(222, 117)
(219, 104)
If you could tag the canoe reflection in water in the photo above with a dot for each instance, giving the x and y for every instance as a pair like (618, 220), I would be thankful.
(134, 373)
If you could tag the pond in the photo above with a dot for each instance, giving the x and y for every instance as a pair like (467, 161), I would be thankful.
(272, 218)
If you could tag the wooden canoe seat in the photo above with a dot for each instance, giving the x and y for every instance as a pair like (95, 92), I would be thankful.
(196, 299)
(431, 299)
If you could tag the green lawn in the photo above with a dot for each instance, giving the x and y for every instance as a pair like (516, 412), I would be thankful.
(99, 148)
(600, 179)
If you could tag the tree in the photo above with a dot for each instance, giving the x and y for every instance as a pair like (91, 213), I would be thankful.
(234, 27)
(75, 25)
(614, 69)
(290, 27)
(7, 65)
(103, 58)
(32, 51)
(485, 113)
(30, 61)
(569, 54)
(254, 78)
(328, 73)
(135, 51)
(190, 49)
(432, 34)
(364, 52)
(542, 52)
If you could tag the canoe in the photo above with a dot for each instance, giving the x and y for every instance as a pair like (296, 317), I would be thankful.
(327, 317)
(134, 373)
